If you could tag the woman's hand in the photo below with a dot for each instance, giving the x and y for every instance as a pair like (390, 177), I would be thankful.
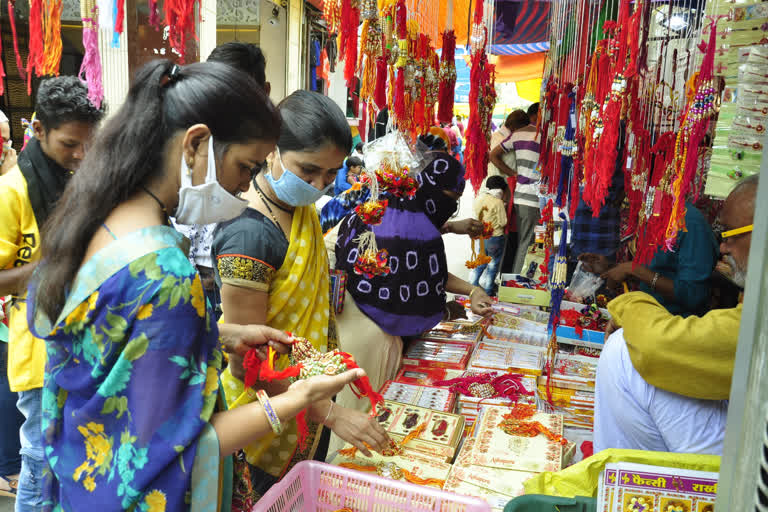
(471, 227)
(618, 274)
(9, 161)
(595, 263)
(323, 387)
(358, 429)
(480, 301)
(239, 339)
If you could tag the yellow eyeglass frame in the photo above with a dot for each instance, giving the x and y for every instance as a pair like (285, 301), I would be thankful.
(737, 231)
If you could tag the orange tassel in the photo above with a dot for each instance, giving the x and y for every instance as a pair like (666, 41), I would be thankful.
(35, 56)
(52, 45)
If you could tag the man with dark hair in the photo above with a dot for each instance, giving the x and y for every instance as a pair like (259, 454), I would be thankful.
(64, 123)
(247, 57)
(663, 381)
(523, 143)
(533, 114)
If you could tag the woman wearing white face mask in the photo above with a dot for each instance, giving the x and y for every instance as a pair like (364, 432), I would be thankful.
(132, 417)
(272, 267)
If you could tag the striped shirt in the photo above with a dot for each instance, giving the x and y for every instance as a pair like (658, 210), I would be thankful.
(525, 144)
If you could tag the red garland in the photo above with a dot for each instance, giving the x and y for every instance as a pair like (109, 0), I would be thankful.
(180, 17)
(482, 98)
(350, 21)
(35, 56)
(19, 60)
(447, 79)
(380, 91)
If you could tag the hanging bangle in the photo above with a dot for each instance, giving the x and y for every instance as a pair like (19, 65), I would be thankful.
(654, 281)
(329, 413)
(274, 421)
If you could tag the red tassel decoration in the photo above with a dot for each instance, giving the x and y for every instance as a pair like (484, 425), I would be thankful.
(302, 429)
(19, 61)
(121, 16)
(154, 15)
(402, 59)
(180, 18)
(447, 78)
(35, 56)
(380, 91)
(2, 73)
(350, 22)
(52, 44)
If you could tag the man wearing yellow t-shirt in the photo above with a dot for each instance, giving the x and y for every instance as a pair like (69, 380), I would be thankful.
(663, 381)
(65, 120)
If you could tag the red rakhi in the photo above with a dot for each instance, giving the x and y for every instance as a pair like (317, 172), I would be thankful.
(308, 362)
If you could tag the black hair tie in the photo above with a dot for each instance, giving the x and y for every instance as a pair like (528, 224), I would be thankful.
(172, 75)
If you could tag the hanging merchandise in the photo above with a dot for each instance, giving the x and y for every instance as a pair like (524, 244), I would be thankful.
(90, 69)
(696, 117)
(371, 51)
(557, 291)
(447, 77)
(350, 22)
(482, 99)
(154, 14)
(180, 19)
(36, 46)
(2, 86)
(400, 56)
(19, 60)
(479, 257)
(52, 39)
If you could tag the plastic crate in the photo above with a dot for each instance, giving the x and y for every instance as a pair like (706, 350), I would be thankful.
(313, 486)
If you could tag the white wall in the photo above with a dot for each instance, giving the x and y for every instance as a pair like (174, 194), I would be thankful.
(272, 41)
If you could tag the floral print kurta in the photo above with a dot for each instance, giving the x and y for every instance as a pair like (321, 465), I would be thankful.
(131, 381)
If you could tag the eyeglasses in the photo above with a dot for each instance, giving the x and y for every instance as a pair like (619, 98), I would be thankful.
(727, 236)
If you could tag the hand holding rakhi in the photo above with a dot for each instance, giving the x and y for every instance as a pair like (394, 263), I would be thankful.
(618, 274)
(357, 428)
(240, 339)
(480, 302)
(323, 387)
(595, 263)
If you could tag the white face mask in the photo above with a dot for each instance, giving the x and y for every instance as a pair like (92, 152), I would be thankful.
(207, 203)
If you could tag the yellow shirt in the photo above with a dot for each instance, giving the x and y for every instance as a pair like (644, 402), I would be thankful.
(690, 356)
(19, 245)
(495, 213)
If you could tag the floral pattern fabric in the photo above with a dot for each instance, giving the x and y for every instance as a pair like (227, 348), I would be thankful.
(131, 380)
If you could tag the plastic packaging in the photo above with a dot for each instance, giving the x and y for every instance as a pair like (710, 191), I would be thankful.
(583, 284)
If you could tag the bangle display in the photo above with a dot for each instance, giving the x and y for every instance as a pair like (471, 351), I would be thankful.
(274, 421)
(654, 281)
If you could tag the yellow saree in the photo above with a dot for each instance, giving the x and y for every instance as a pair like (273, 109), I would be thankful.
(299, 302)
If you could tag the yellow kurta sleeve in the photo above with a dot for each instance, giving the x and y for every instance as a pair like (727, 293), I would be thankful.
(691, 356)
(10, 219)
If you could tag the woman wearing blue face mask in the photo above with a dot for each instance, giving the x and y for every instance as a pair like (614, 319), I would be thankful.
(272, 268)
(132, 417)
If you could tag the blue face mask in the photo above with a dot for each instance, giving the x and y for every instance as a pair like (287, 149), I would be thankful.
(293, 190)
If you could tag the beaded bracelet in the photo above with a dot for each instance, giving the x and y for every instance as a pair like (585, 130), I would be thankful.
(274, 421)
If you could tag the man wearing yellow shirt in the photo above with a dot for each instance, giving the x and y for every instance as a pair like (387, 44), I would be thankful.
(65, 120)
(663, 381)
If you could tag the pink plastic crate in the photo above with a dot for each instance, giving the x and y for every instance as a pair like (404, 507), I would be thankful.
(313, 486)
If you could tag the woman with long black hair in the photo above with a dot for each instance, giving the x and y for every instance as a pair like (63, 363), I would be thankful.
(131, 402)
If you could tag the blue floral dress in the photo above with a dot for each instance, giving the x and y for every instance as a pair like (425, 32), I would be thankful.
(131, 383)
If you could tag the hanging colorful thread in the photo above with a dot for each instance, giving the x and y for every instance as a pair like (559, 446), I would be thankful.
(306, 362)
(371, 261)
(557, 291)
(35, 56)
(12, 19)
(482, 99)
(447, 78)
(180, 18)
(350, 23)
(479, 257)
(400, 53)
(90, 69)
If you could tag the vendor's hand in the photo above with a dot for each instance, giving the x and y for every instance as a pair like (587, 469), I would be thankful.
(481, 303)
(471, 227)
(358, 429)
(595, 263)
(455, 310)
(323, 387)
(239, 339)
(618, 274)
